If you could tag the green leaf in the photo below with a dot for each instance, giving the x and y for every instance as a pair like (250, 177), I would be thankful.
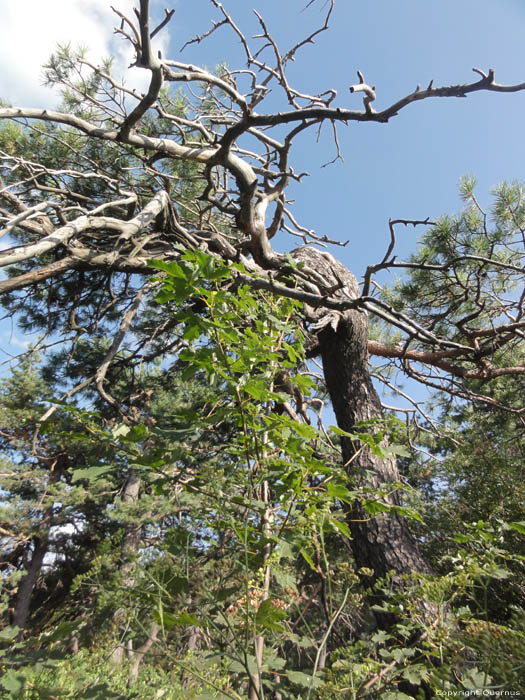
(341, 526)
(8, 633)
(374, 507)
(305, 680)
(518, 526)
(477, 680)
(178, 431)
(499, 573)
(304, 430)
(180, 289)
(177, 584)
(138, 433)
(284, 549)
(225, 593)
(173, 269)
(338, 492)
(13, 682)
(292, 353)
(192, 332)
(339, 431)
(401, 654)
(381, 636)
(218, 273)
(399, 450)
(308, 559)
(462, 539)
(408, 513)
(170, 620)
(200, 257)
(120, 430)
(236, 667)
(100, 692)
(257, 389)
(415, 675)
(269, 616)
(91, 473)
(163, 296)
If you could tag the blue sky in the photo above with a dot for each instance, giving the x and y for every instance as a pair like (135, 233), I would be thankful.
(407, 168)
(411, 166)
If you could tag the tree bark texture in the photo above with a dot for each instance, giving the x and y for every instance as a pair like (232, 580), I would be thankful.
(27, 584)
(130, 545)
(382, 543)
(34, 567)
(131, 539)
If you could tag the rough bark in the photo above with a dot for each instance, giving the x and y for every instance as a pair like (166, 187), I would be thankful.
(382, 543)
(130, 544)
(27, 584)
(141, 652)
(34, 567)
(131, 539)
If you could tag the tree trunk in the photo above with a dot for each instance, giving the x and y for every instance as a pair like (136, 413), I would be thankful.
(41, 546)
(130, 545)
(140, 653)
(382, 543)
(27, 584)
(131, 539)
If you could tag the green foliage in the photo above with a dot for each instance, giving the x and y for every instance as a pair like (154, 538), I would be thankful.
(241, 499)
(90, 674)
(241, 534)
(467, 272)
(277, 495)
(460, 651)
(231, 556)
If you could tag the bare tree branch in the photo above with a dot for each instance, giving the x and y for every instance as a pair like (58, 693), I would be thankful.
(243, 169)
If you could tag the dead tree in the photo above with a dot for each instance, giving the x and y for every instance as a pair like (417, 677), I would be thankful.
(88, 218)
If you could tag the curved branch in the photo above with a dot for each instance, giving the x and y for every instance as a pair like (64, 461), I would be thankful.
(38, 275)
(438, 359)
(165, 147)
(337, 114)
(65, 233)
(119, 337)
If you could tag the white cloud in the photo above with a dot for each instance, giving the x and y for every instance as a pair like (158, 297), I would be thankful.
(31, 30)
